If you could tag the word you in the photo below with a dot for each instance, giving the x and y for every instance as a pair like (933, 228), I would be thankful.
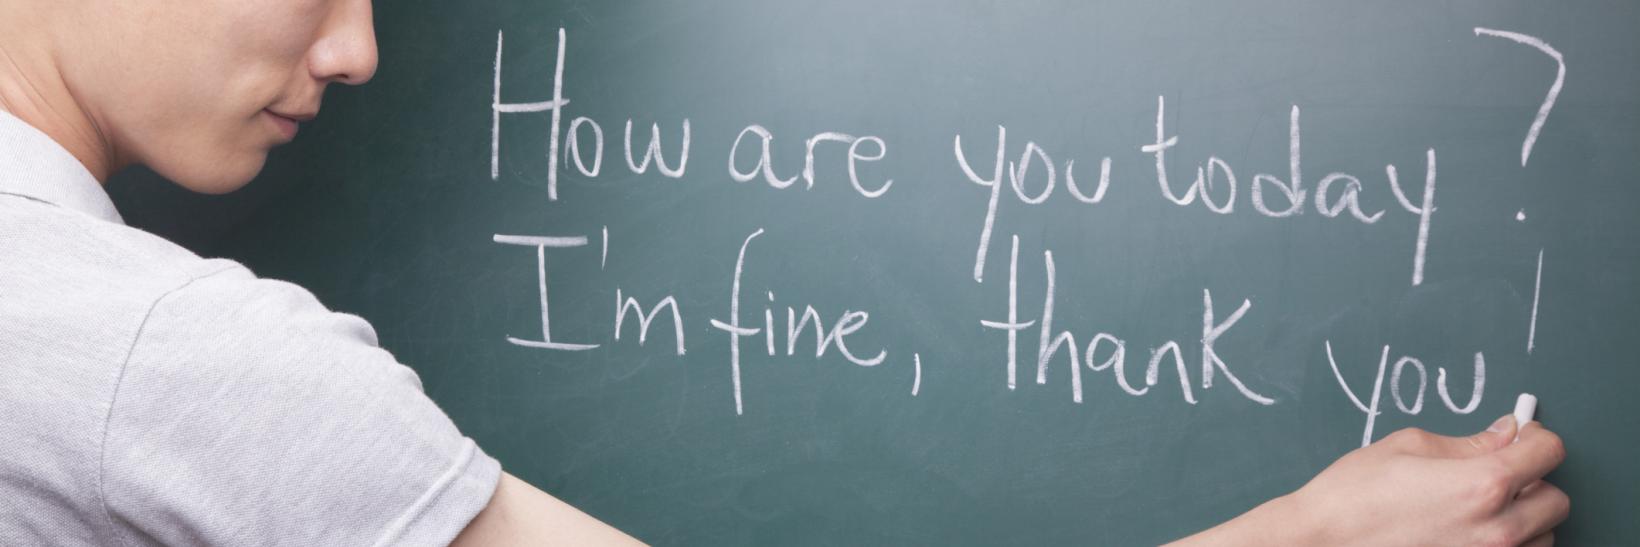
(1417, 405)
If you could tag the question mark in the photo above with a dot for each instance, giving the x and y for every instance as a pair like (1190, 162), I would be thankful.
(1554, 90)
(1526, 146)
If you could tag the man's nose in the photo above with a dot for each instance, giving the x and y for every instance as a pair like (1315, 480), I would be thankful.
(346, 49)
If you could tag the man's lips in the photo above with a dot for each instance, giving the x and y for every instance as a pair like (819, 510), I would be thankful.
(288, 124)
(298, 117)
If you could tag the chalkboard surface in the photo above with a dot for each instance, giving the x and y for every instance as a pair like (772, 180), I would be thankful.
(858, 307)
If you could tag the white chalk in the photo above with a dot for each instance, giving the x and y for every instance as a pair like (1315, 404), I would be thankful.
(1525, 407)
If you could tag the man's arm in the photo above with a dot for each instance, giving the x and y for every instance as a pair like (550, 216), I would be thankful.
(1411, 488)
(521, 514)
(1418, 488)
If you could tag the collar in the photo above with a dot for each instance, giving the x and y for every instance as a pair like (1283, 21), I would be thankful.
(34, 166)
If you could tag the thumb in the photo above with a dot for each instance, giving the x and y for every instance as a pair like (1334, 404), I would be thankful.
(1497, 435)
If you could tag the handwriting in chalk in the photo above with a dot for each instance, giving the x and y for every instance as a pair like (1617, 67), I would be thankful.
(1417, 404)
(1526, 148)
(1051, 341)
(1032, 175)
(1017, 175)
(1554, 89)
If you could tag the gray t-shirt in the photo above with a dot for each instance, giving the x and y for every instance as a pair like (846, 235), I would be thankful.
(149, 396)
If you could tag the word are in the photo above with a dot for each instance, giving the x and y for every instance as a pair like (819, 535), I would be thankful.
(765, 160)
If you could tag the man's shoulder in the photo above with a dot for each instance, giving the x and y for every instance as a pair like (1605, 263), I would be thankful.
(59, 252)
(75, 293)
(182, 399)
(71, 272)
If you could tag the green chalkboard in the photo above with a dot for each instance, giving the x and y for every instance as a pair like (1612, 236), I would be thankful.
(1503, 242)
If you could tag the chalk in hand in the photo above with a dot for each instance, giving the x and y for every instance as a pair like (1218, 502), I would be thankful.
(1525, 407)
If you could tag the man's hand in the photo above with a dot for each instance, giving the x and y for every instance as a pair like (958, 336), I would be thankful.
(1418, 488)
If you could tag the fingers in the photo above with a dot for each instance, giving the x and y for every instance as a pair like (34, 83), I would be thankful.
(1540, 507)
(1423, 443)
(1537, 452)
(1497, 435)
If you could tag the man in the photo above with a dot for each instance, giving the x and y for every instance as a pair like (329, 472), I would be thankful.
(149, 396)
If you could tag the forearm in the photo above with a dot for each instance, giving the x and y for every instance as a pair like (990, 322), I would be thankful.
(521, 514)
(1280, 521)
(1416, 488)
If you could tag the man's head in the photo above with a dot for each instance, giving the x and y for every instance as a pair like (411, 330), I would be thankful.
(198, 90)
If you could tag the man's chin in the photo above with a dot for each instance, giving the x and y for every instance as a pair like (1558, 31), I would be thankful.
(216, 179)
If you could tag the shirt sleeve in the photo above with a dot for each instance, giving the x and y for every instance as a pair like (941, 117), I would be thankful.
(249, 414)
